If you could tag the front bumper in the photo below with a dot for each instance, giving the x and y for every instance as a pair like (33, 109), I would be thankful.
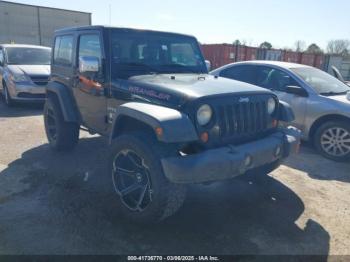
(230, 161)
(27, 92)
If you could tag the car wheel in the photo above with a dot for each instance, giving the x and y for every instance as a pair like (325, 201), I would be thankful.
(332, 140)
(7, 96)
(144, 193)
(62, 136)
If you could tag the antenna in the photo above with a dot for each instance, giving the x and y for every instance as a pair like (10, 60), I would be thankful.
(110, 14)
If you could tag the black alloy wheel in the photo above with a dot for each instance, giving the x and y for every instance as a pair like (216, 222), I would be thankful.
(131, 180)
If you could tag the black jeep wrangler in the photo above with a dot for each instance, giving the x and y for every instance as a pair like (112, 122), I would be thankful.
(169, 123)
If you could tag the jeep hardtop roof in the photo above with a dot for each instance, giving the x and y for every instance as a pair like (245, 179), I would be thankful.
(24, 46)
(125, 29)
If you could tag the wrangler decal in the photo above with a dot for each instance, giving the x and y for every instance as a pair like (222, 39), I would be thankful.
(149, 92)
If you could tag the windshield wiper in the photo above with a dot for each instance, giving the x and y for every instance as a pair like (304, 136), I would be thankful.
(182, 67)
(331, 93)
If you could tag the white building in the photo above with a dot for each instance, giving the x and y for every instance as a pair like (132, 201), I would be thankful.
(28, 24)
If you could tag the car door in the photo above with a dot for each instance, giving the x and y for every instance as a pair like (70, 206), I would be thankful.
(89, 89)
(278, 80)
(2, 61)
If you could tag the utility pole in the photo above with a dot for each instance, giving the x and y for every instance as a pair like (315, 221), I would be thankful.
(110, 14)
(39, 25)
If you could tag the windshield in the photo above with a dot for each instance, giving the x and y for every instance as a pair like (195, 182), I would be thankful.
(139, 53)
(28, 56)
(322, 82)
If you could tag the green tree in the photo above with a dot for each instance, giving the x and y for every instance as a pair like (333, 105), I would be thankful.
(266, 45)
(237, 42)
(314, 49)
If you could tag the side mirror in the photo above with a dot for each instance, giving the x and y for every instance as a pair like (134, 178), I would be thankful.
(89, 64)
(337, 74)
(208, 65)
(296, 90)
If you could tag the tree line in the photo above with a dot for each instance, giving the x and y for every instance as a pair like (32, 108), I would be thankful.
(334, 47)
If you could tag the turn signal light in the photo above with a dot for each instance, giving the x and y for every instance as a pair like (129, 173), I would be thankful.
(204, 137)
(274, 123)
(159, 131)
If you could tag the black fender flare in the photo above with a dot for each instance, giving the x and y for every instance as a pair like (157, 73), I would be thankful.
(285, 112)
(176, 126)
(66, 100)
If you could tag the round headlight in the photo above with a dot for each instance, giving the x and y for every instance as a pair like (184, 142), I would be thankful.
(271, 106)
(204, 114)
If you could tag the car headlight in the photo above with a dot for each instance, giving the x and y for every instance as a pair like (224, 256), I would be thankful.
(19, 78)
(271, 106)
(204, 114)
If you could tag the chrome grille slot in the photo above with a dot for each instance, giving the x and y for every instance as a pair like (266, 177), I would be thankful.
(243, 119)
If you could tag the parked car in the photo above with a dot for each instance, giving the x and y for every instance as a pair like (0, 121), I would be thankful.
(24, 72)
(338, 75)
(320, 102)
(169, 123)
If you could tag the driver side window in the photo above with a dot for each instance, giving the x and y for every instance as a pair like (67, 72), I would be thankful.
(274, 79)
(89, 45)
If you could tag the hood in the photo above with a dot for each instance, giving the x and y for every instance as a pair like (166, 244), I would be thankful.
(194, 85)
(31, 70)
(341, 98)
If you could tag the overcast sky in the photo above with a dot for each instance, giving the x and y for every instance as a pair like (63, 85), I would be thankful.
(280, 22)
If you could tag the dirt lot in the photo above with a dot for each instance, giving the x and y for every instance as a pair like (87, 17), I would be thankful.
(54, 203)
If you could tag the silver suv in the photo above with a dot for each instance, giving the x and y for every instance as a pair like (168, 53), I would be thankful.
(24, 72)
(321, 103)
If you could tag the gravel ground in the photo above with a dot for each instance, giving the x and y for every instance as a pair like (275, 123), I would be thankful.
(53, 203)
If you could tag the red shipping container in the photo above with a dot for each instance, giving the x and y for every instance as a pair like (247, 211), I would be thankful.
(291, 57)
(307, 59)
(241, 56)
(319, 61)
(222, 54)
(251, 53)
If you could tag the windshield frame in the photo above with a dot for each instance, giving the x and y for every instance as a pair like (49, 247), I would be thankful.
(8, 62)
(134, 69)
(327, 78)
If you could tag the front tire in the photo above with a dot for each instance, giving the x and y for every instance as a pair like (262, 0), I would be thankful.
(332, 140)
(145, 194)
(7, 96)
(62, 136)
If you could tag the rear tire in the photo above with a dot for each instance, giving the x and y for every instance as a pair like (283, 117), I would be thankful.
(145, 194)
(332, 140)
(62, 136)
